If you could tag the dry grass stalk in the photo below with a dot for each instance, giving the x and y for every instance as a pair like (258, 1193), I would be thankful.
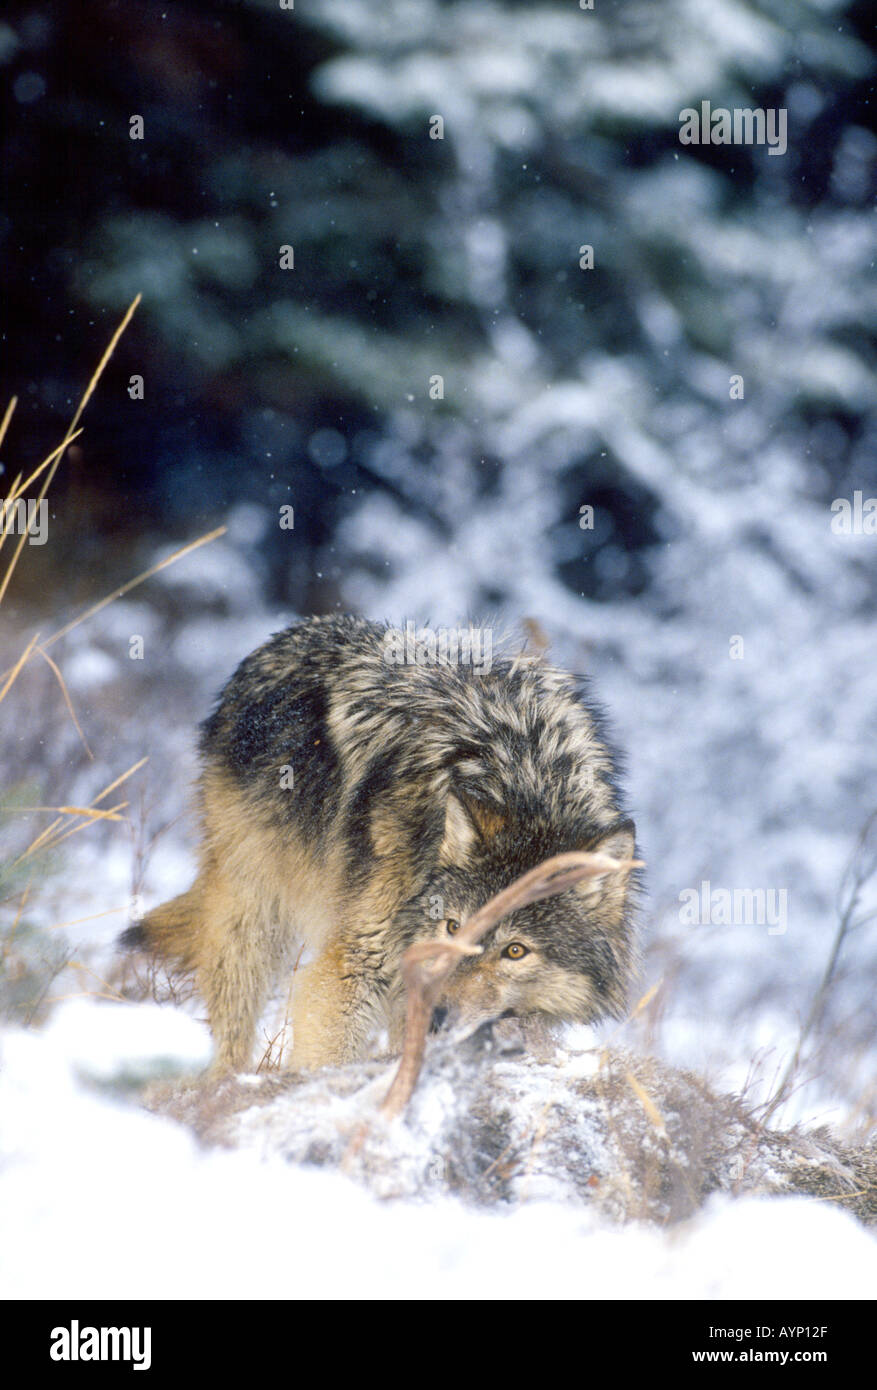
(861, 868)
(61, 827)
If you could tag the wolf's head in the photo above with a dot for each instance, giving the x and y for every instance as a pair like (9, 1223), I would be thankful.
(569, 957)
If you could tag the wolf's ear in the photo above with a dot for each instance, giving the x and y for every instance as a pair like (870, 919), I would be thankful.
(469, 825)
(619, 841)
(488, 820)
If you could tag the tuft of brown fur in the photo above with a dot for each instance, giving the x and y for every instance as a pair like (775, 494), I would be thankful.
(352, 804)
(168, 931)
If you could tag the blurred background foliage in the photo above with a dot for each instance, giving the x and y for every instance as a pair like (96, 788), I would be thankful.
(309, 127)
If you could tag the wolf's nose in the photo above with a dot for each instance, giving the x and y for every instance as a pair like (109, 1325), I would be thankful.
(439, 1018)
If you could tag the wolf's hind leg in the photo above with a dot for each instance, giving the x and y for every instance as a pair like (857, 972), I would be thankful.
(237, 971)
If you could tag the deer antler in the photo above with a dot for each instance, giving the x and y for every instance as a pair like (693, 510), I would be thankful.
(427, 965)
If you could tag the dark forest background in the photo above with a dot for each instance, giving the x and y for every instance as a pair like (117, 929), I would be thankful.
(310, 127)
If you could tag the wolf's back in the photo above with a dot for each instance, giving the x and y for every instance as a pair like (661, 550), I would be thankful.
(323, 700)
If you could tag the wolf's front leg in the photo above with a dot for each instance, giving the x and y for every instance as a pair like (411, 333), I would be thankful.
(338, 1003)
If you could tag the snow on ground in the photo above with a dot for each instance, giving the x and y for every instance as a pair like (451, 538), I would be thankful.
(100, 1200)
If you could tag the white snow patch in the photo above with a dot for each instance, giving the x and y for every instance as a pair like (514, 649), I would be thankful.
(98, 1200)
(102, 1040)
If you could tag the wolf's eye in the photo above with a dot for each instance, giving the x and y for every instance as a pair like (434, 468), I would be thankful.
(516, 951)
(453, 926)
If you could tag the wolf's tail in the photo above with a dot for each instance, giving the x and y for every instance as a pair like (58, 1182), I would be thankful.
(169, 931)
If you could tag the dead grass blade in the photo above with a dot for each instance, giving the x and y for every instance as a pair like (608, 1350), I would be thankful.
(861, 868)
(19, 488)
(48, 838)
(14, 670)
(7, 503)
(68, 702)
(7, 416)
(132, 583)
(71, 430)
(647, 1103)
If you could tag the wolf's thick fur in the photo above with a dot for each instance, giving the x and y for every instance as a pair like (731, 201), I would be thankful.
(351, 806)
